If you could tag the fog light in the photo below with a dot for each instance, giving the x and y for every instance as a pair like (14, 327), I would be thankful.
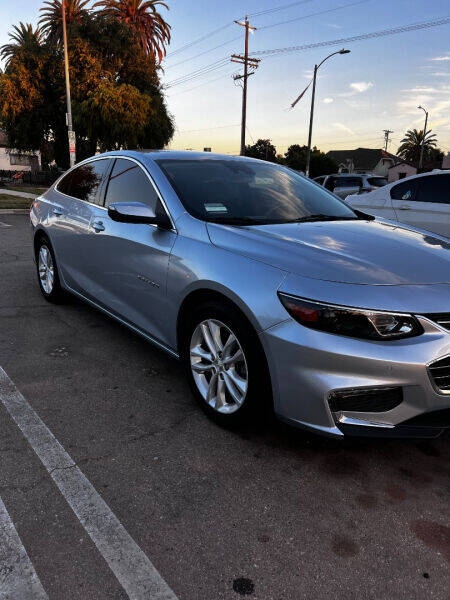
(373, 400)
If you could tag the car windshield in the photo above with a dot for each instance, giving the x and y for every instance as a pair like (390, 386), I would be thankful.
(377, 181)
(239, 191)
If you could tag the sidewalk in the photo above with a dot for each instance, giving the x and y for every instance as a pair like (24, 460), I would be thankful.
(15, 193)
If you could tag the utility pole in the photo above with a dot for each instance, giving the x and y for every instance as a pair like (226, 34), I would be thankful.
(247, 62)
(386, 138)
(423, 139)
(71, 133)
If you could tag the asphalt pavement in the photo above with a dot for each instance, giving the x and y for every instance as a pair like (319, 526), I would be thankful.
(114, 485)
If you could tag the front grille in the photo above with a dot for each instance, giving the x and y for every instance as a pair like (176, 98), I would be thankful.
(442, 319)
(373, 400)
(440, 374)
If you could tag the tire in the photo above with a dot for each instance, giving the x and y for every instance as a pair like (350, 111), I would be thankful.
(242, 388)
(49, 282)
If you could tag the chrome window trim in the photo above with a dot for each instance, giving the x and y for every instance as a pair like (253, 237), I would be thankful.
(114, 157)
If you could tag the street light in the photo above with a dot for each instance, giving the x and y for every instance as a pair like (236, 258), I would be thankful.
(316, 68)
(423, 139)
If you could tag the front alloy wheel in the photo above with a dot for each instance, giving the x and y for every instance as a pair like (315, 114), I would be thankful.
(219, 366)
(46, 269)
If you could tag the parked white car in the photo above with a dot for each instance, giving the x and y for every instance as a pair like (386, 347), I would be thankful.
(421, 201)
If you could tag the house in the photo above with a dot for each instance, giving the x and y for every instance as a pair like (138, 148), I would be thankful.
(364, 160)
(12, 160)
(400, 171)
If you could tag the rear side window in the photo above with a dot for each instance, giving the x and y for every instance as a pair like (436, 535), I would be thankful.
(377, 181)
(434, 188)
(64, 184)
(347, 182)
(405, 190)
(84, 182)
(319, 180)
(129, 183)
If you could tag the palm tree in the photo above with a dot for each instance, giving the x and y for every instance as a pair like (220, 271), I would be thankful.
(412, 143)
(23, 37)
(51, 20)
(143, 18)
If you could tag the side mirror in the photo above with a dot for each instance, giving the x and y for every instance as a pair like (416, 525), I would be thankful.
(133, 212)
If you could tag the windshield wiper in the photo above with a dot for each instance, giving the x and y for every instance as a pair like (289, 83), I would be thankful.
(322, 217)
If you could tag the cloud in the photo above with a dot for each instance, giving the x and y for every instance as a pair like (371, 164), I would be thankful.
(333, 25)
(343, 127)
(328, 100)
(361, 86)
(441, 58)
(440, 74)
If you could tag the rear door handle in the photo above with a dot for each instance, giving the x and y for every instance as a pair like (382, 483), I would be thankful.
(57, 212)
(98, 226)
(404, 207)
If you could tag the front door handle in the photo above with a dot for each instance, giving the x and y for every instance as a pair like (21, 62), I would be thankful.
(404, 207)
(57, 212)
(98, 226)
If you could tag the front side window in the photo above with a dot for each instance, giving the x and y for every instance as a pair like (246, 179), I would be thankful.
(129, 183)
(405, 190)
(84, 181)
(246, 192)
(434, 188)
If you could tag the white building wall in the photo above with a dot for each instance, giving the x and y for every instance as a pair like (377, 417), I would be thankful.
(5, 161)
(394, 172)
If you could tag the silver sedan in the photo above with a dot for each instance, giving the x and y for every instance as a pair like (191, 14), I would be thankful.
(273, 292)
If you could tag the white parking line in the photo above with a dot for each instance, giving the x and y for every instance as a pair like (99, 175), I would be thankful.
(137, 575)
(18, 579)
(4, 224)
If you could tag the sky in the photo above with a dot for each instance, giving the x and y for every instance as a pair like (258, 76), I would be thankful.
(377, 86)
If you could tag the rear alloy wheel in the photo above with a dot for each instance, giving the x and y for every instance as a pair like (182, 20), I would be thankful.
(225, 364)
(219, 366)
(47, 272)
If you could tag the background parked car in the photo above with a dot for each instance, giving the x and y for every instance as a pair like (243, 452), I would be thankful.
(344, 184)
(420, 201)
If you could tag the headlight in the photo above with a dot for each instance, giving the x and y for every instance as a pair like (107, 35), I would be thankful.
(352, 322)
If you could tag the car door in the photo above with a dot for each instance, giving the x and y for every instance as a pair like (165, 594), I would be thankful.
(344, 186)
(424, 202)
(75, 198)
(129, 262)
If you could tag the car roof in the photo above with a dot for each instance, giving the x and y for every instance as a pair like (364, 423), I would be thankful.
(176, 155)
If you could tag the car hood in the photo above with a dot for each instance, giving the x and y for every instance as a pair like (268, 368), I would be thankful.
(358, 252)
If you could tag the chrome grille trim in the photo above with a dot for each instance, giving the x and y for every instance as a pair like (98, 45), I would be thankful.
(441, 319)
(439, 372)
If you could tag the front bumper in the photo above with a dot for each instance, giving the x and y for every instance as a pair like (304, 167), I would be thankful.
(308, 366)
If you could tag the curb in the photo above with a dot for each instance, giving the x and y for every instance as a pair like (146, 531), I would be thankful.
(14, 211)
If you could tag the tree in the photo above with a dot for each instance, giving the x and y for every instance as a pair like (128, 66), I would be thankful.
(142, 16)
(23, 38)
(117, 100)
(411, 145)
(51, 20)
(321, 164)
(263, 149)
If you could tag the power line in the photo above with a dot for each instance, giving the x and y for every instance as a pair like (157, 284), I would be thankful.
(209, 128)
(223, 27)
(201, 84)
(356, 38)
(200, 39)
(269, 11)
(206, 69)
(202, 53)
(321, 12)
